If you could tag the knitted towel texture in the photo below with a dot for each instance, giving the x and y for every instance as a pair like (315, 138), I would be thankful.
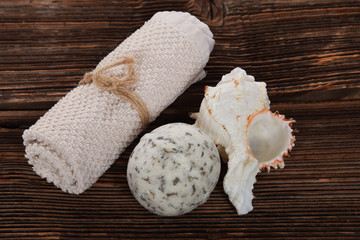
(79, 138)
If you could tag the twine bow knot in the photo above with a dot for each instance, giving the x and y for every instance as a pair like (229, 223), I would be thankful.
(120, 86)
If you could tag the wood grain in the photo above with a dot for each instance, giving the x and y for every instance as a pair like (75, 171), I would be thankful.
(308, 53)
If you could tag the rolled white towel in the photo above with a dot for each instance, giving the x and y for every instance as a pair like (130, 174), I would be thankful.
(79, 138)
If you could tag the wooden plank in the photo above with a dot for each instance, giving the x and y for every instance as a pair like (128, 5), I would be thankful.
(316, 195)
(306, 51)
(276, 42)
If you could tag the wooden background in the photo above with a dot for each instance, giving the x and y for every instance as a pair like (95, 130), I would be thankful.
(308, 53)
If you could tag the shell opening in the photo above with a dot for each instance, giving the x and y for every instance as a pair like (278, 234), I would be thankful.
(269, 136)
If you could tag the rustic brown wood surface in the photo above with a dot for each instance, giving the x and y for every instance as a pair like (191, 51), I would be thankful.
(308, 53)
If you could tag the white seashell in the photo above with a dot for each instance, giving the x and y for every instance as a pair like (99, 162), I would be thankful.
(236, 115)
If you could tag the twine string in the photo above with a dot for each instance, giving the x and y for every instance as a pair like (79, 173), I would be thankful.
(119, 86)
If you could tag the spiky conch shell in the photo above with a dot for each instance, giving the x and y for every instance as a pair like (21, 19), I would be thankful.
(236, 115)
